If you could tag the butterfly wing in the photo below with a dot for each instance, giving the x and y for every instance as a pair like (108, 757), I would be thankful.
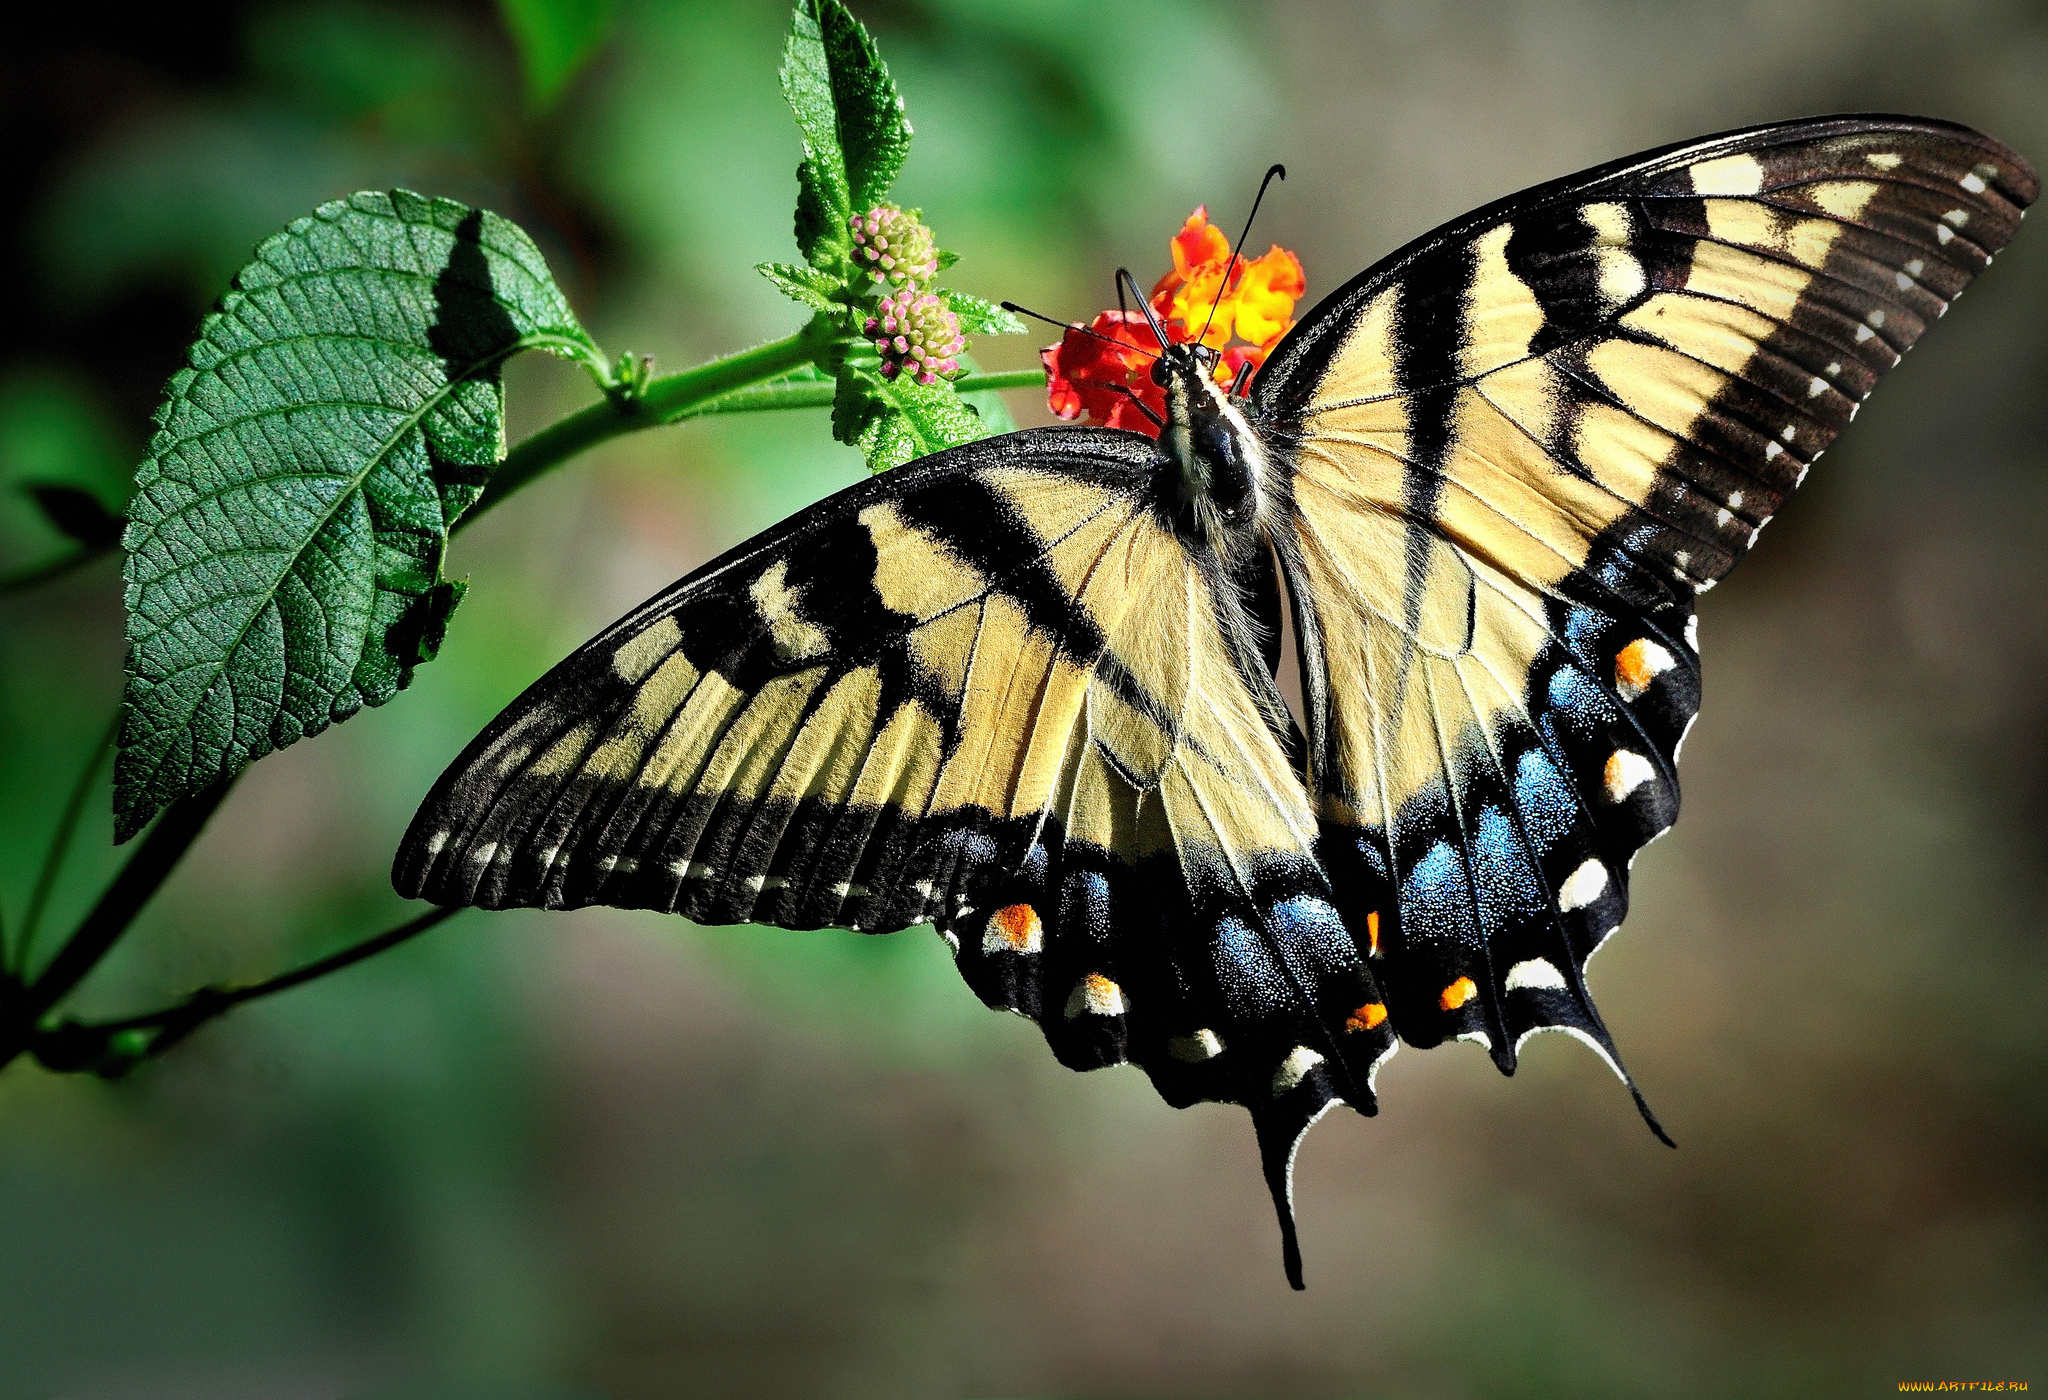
(992, 690)
(1520, 447)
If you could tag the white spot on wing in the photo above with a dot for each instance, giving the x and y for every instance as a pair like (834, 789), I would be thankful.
(1943, 233)
(435, 843)
(1582, 886)
(1864, 333)
(1883, 160)
(1972, 183)
(1203, 1045)
(1692, 632)
(1300, 1060)
(482, 854)
(1625, 772)
(1818, 387)
(1533, 974)
(1958, 217)
(1773, 451)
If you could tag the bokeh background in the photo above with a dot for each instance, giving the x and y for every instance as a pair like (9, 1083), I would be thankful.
(612, 1155)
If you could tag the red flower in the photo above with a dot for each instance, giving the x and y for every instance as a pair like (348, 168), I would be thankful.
(1090, 373)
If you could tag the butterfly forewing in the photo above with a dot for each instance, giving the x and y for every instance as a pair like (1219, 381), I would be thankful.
(994, 691)
(1520, 448)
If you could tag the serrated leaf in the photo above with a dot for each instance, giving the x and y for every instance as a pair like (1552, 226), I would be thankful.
(978, 317)
(874, 129)
(76, 512)
(856, 403)
(803, 284)
(555, 39)
(854, 129)
(338, 414)
(946, 259)
(918, 419)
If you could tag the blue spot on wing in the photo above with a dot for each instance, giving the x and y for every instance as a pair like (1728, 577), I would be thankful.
(1311, 929)
(1508, 883)
(1548, 807)
(1436, 903)
(1252, 981)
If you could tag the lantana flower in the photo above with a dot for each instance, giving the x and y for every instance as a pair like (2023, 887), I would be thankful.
(1100, 374)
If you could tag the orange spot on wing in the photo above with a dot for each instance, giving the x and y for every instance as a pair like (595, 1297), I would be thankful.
(1457, 994)
(1366, 1017)
(1372, 933)
(1020, 927)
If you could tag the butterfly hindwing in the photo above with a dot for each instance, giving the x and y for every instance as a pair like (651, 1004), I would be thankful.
(1520, 448)
(995, 691)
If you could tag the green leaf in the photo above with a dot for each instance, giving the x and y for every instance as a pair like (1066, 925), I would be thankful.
(916, 420)
(555, 38)
(855, 133)
(978, 317)
(856, 404)
(874, 129)
(804, 284)
(946, 259)
(339, 413)
(77, 513)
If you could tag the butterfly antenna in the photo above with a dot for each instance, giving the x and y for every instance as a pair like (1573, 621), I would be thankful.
(1012, 306)
(1123, 275)
(1277, 171)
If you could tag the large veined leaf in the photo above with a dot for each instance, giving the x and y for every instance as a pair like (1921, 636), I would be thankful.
(337, 415)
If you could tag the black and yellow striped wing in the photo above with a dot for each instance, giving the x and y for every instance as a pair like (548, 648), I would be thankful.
(1521, 447)
(991, 690)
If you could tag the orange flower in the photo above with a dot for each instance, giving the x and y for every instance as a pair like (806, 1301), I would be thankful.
(1256, 307)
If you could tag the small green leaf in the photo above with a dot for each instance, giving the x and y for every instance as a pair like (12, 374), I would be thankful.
(77, 513)
(555, 38)
(874, 130)
(340, 411)
(978, 317)
(804, 284)
(856, 404)
(947, 259)
(851, 117)
(917, 420)
(823, 204)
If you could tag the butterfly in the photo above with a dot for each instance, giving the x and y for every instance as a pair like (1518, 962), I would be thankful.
(1025, 691)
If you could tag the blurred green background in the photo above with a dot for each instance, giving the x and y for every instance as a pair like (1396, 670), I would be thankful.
(611, 1155)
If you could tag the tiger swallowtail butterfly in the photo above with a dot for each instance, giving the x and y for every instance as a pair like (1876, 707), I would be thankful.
(1024, 690)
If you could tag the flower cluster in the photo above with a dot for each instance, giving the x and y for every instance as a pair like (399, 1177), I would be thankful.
(895, 247)
(1239, 309)
(915, 332)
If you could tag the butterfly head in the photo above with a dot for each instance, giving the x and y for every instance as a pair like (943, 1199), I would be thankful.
(1222, 480)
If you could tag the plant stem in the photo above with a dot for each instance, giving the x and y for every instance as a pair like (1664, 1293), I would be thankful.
(67, 826)
(775, 397)
(78, 1045)
(662, 401)
(727, 385)
(159, 853)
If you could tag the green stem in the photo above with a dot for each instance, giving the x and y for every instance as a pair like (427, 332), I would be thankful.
(169, 838)
(67, 827)
(781, 396)
(663, 401)
(85, 1045)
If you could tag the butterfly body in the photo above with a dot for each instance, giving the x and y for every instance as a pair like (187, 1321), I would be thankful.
(1024, 690)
